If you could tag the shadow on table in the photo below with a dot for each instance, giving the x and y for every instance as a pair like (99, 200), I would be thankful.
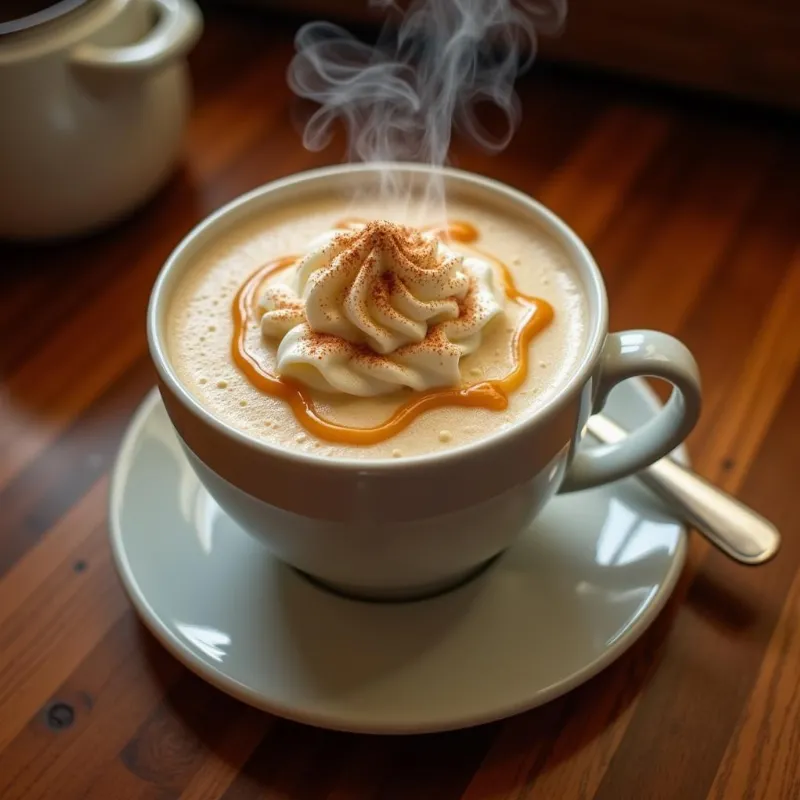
(719, 603)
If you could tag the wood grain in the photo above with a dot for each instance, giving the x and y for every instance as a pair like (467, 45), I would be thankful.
(691, 210)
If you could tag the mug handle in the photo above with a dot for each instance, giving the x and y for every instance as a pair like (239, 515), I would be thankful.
(178, 28)
(632, 354)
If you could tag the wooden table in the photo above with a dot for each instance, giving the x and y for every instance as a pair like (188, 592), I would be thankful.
(693, 212)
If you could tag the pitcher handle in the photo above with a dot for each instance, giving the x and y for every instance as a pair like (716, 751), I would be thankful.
(177, 29)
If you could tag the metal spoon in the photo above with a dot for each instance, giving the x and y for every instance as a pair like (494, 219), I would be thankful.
(727, 523)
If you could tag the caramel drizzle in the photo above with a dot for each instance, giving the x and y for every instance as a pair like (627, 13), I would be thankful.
(491, 394)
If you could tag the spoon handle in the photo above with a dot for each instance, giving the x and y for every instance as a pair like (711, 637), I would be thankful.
(727, 523)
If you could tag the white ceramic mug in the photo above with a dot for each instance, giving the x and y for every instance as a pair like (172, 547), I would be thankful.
(93, 102)
(405, 528)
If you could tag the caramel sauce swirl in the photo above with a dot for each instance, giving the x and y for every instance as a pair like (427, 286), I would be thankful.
(490, 394)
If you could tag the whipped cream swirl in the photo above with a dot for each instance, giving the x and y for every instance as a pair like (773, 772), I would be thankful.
(381, 307)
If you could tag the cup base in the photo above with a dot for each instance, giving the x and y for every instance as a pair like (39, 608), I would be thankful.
(370, 594)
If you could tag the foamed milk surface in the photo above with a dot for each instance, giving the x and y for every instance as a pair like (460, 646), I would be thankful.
(201, 326)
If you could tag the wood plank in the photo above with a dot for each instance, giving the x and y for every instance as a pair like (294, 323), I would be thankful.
(110, 693)
(705, 216)
(64, 545)
(222, 764)
(68, 466)
(169, 748)
(762, 757)
(53, 630)
(764, 380)
(594, 182)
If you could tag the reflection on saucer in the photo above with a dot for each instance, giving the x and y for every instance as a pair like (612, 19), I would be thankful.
(627, 536)
(208, 640)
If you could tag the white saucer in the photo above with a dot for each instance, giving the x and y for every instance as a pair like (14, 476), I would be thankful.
(554, 610)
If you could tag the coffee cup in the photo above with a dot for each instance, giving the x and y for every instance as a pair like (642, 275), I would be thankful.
(399, 529)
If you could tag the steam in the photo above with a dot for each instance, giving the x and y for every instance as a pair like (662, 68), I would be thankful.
(401, 98)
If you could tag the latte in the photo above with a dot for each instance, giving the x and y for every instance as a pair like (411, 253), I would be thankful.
(377, 327)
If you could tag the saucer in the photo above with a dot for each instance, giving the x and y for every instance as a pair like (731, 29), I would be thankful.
(567, 599)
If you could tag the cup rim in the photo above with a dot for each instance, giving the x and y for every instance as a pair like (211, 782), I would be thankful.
(578, 252)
